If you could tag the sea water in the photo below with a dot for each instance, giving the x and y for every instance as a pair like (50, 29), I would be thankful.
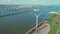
(20, 23)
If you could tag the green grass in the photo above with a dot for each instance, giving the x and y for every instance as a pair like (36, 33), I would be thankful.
(53, 29)
(52, 16)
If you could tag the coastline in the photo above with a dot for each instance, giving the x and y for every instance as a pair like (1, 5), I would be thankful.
(33, 29)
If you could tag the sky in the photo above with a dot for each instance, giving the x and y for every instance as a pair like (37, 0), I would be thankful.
(33, 2)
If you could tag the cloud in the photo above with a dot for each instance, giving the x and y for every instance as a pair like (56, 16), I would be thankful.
(35, 0)
(4, 1)
(41, 2)
(9, 1)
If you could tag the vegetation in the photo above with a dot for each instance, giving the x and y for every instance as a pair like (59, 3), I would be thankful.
(53, 19)
(53, 25)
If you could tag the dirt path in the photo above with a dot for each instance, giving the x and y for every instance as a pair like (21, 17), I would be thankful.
(58, 31)
(44, 29)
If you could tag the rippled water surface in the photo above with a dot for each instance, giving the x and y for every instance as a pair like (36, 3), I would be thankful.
(20, 23)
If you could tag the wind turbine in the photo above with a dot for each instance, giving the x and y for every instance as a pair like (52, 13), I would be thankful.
(37, 16)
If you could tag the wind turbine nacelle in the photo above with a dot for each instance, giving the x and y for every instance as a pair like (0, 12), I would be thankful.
(36, 10)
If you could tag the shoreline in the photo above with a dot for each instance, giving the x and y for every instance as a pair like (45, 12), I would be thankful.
(32, 29)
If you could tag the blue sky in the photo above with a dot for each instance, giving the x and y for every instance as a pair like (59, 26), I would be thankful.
(35, 2)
